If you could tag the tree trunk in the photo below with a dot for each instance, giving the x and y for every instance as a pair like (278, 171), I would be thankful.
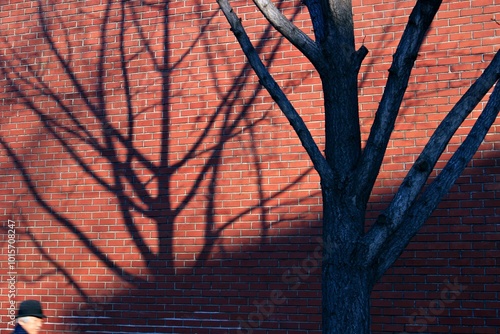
(346, 301)
(347, 282)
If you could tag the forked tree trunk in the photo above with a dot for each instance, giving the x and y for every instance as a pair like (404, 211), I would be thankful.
(352, 260)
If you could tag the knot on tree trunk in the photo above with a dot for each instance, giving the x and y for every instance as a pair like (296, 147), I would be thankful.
(422, 165)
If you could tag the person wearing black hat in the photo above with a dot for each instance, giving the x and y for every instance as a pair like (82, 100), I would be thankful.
(29, 318)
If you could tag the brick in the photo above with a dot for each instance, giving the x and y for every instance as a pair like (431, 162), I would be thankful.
(239, 197)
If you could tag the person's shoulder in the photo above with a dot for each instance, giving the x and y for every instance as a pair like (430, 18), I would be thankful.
(19, 330)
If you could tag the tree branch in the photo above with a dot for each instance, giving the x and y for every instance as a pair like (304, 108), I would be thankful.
(359, 56)
(293, 34)
(317, 158)
(369, 165)
(317, 19)
(396, 215)
(425, 205)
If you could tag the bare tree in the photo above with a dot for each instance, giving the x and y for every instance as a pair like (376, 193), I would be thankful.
(355, 259)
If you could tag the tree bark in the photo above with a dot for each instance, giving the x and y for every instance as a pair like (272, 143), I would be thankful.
(346, 282)
(346, 300)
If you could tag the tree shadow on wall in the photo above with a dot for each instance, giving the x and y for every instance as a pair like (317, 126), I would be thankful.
(153, 186)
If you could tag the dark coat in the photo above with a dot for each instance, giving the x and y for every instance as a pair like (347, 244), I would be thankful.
(19, 330)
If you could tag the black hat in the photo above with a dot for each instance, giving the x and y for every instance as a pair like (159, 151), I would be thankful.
(30, 308)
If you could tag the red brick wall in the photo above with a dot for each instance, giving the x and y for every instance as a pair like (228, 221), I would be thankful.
(152, 185)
